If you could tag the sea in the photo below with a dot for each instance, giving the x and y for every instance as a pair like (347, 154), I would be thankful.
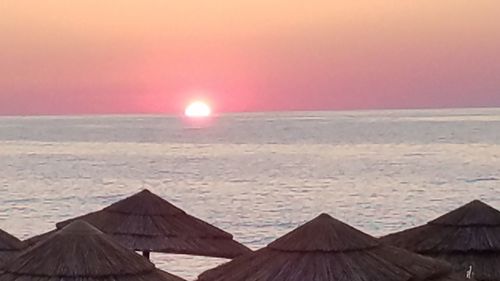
(255, 175)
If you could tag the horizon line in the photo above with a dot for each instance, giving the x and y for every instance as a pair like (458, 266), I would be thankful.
(222, 113)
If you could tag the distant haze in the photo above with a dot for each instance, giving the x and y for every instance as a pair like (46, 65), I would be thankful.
(103, 56)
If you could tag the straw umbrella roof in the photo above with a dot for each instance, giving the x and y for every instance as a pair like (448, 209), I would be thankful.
(81, 252)
(146, 222)
(467, 237)
(325, 249)
(9, 245)
(37, 238)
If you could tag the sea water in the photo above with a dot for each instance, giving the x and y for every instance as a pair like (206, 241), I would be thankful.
(256, 175)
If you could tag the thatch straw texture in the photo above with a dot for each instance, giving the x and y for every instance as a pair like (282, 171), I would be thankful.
(467, 237)
(37, 238)
(81, 252)
(146, 222)
(9, 245)
(326, 249)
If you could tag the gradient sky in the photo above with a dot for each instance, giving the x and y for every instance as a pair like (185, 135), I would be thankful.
(98, 56)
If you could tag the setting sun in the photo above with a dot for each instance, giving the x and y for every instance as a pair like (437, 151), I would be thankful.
(198, 109)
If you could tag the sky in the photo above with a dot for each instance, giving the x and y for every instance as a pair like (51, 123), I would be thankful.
(129, 56)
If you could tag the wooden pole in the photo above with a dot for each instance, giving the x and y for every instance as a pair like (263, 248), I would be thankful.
(145, 254)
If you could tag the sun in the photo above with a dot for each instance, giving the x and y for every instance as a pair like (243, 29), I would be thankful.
(198, 109)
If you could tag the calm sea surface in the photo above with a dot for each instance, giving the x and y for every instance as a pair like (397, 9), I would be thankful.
(255, 175)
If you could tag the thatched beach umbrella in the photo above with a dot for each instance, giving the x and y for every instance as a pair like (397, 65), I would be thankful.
(326, 249)
(37, 238)
(9, 245)
(146, 222)
(468, 238)
(81, 252)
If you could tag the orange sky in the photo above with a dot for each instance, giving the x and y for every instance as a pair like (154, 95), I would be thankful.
(71, 57)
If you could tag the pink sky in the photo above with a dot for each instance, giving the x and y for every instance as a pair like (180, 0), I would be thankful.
(86, 57)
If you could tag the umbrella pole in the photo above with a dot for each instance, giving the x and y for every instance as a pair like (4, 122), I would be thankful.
(145, 254)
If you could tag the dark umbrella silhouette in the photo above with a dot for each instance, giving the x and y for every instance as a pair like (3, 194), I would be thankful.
(81, 252)
(326, 249)
(148, 223)
(467, 237)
